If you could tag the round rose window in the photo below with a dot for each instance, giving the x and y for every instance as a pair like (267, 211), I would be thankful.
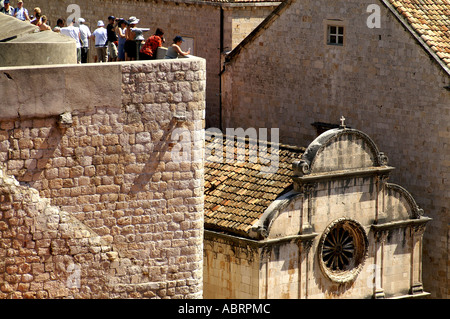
(342, 250)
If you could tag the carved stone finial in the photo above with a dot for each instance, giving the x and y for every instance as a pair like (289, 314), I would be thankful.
(300, 168)
(382, 158)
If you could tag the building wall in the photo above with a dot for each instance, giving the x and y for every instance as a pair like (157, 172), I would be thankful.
(230, 269)
(113, 163)
(240, 20)
(381, 80)
(281, 272)
(20, 41)
(46, 253)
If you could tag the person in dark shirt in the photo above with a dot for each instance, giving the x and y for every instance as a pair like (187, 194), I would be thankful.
(112, 39)
(7, 9)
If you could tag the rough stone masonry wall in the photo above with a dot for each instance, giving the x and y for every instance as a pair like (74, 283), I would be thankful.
(109, 168)
(46, 253)
(230, 269)
(381, 80)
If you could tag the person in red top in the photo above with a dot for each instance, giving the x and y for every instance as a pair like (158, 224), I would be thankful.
(148, 50)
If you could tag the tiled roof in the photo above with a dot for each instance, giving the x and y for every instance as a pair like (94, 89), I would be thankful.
(236, 194)
(430, 19)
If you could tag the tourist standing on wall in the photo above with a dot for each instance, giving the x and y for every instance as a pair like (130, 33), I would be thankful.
(73, 32)
(121, 27)
(59, 24)
(100, 37)
(44, 26)
(149, 49)
(85, 34)
(37, 17)
(20, 12)
(7, 9)
(174, 51)
(112, 38)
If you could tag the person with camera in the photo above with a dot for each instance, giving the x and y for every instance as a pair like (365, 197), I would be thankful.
(174, 51)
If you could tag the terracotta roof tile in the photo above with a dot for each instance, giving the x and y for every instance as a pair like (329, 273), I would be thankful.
(431, 21)
(236, 194)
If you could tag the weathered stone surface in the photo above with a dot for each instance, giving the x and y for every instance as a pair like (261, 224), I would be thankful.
(22, 44)
(70, 89)
(99, 210)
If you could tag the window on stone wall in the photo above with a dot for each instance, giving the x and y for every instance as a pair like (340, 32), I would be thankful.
(342, 250)
(335, 35)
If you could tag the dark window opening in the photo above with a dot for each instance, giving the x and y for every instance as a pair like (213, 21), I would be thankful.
(338, 249)
(322, 127)
(335, 35)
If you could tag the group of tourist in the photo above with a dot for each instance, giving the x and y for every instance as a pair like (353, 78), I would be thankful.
(21, 13)
(119, 40)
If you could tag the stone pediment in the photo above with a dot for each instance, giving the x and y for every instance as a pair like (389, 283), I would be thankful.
(340, 151)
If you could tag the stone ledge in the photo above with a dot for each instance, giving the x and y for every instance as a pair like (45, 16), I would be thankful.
(43, 91)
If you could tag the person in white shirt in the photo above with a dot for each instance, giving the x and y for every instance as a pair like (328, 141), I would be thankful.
(85, 34)
(73, 32)
(100, 37)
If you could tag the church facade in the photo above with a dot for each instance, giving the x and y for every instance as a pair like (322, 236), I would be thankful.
(327, 224)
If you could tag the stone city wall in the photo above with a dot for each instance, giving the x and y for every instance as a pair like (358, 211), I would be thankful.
(93, 201)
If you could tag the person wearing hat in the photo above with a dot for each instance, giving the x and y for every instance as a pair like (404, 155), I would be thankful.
(130, 46)
(174, 51)
(20, 12)
(7, 9)
(100, 37)
(85, 34)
